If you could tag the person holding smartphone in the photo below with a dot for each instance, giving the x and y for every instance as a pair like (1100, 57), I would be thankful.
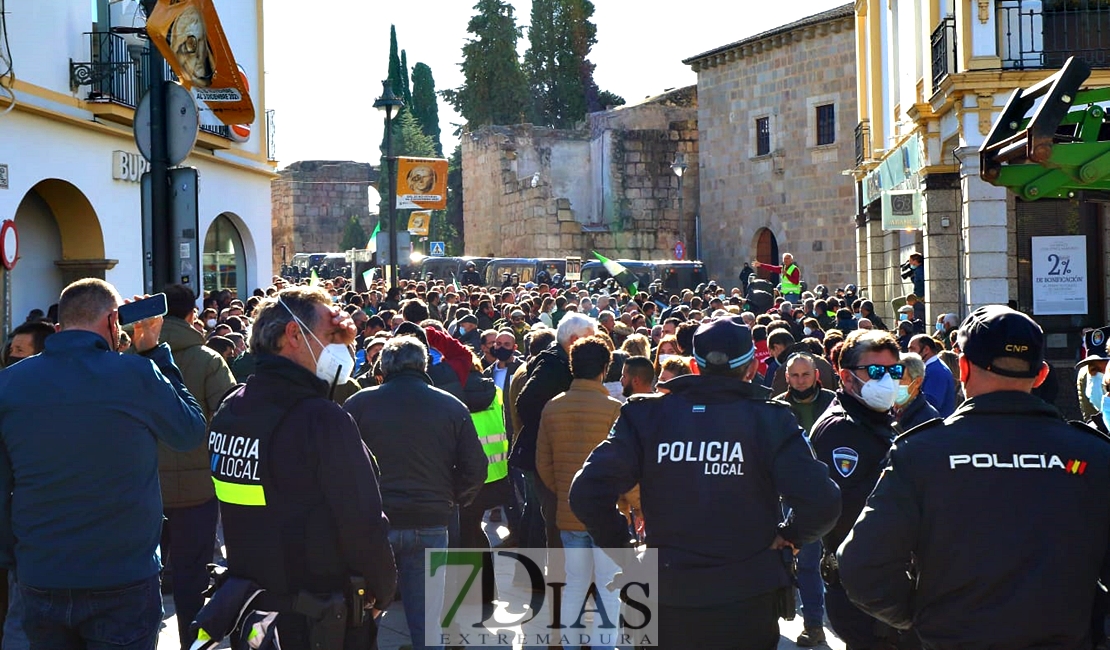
(81, 511)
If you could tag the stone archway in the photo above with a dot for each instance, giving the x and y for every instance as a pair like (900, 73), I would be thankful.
(61, 240)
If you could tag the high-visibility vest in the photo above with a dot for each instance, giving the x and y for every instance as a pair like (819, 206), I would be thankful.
(786, 284)
(490, 424)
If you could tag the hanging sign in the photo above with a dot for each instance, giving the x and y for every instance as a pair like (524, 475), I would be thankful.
(421, 183)
(419, 223)
(1059, 275)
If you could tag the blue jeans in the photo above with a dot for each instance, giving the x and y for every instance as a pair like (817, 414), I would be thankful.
(810, 585)
(189, 534)
(14, 636)
(586, 563)
(408, 551)
(119, 618)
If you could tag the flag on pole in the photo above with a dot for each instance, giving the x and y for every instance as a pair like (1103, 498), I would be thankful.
(372, 244)
(313, 279)
(623, 276)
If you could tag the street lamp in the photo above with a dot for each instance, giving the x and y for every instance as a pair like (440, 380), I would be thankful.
(387, 103)
(679, 168)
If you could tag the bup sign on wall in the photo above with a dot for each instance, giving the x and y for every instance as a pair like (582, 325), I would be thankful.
(189, 35)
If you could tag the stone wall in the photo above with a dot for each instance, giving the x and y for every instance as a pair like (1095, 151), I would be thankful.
(797, 191)
(312, 201)
(608, 187)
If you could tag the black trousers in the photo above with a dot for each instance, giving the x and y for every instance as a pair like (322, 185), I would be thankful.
(858, 630)
(747, 625)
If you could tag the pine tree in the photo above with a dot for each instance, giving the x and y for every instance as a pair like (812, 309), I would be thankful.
(541, 62)
(454, 216)
(494, 89)
(354, 236)
(425, 106)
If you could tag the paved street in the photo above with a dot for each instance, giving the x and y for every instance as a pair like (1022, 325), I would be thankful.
(394, 631)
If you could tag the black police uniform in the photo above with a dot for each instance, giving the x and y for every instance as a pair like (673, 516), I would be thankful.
(299, 497)
(1001, 514)
(711, 459)
(853, 440)
(470, 277)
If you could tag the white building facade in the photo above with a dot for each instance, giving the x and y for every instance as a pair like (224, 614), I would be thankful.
(72, 168)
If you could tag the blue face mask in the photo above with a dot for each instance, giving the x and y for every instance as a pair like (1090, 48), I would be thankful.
(1094, 390)
(1106, 413)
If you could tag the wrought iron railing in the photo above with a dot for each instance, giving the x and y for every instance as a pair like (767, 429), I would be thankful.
(115, 71)
(863, 141)
(271, 130)
(1044, 33)
(944, 50)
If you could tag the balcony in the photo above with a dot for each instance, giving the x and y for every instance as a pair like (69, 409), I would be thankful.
(944, 50)
(116, 75)
(1035, 34)
(863, 141)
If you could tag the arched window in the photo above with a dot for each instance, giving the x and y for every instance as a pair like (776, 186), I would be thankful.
(223, 258)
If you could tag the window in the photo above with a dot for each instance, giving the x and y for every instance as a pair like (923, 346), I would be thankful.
(762, 136)
(826, 124)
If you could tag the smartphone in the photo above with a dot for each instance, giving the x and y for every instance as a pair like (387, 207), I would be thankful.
(150, 307)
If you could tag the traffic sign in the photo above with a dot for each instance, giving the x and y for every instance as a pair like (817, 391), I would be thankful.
(182, 124)
(679, 251)
(437, 249)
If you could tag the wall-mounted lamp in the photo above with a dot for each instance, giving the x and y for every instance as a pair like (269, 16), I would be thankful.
(945, 222)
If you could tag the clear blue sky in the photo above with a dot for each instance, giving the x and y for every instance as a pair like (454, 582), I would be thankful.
(325, 60)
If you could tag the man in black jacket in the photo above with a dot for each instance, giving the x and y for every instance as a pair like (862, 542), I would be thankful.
(910, 406)
(298, 492)
(852, 438)
(548, 375)
(718, 437)
(431, 461)
(1004, 469)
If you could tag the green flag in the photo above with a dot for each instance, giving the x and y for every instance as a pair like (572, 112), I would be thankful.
(623, 276)
(313, 279)
(374, 235)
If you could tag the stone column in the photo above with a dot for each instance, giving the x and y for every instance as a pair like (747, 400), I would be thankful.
(983, 231)
(942, 214)
(876, 260)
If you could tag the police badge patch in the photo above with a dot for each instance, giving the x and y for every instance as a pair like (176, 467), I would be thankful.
(845, 460)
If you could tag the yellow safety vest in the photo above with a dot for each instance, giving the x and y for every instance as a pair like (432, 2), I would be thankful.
(490, 424)
(786, 284)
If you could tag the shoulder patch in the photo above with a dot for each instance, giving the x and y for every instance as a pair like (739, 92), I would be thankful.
(1090, 429)
(935, 422)
(845, 460)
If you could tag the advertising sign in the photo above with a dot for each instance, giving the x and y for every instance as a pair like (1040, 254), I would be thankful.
(422, 183)
(574, 269)
(189, 35)
(1059, 275)
(901, 210)
(419, 222)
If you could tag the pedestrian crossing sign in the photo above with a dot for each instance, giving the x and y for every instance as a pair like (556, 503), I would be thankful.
(437, 249)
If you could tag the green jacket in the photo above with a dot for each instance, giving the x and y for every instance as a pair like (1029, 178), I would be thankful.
(185, 475)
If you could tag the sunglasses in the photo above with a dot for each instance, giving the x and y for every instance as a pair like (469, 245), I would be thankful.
(875, 371)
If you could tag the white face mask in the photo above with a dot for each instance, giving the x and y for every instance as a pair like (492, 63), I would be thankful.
(211, 323)
(1094, 390)
(334, 364)
(808, 330)
(903, 396)
(878, 394)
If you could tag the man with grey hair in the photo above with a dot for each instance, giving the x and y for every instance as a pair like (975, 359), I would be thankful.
(80, 505)
(431, 461)
(298, 492)
(911, 408)
(548, 375)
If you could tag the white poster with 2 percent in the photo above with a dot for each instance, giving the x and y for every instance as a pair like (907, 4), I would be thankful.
(1059, 275)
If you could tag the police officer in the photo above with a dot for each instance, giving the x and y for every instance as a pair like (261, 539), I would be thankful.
(852, 438)
(999, 512)
(470, 276)
(716, 589)
(299, 496)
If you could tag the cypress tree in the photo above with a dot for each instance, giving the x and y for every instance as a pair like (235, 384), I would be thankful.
(395, 71)
(406, 89)
(425, 106)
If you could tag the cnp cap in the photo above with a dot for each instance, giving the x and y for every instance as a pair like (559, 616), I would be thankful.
(1095, 343)
(995, 332)
(723, 343)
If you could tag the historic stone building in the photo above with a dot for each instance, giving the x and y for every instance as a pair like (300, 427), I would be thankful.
(312, 202)
(609, 186)
(776, 114)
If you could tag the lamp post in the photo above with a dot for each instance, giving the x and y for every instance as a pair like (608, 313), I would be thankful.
(679, 168)
(387, 103)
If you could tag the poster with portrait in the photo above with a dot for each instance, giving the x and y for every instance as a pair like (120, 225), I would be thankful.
(1059, 275)
(419, 222)
(421, 183)
(189, 35)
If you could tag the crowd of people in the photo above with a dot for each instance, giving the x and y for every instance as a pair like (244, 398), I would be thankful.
(329, 437)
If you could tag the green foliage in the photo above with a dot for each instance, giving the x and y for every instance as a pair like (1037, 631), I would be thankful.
(494, 89)
(396, 72)
(408, 140)
(453, 220)
(354, 236)
(609, 99)
(425, 106)
(406, 89)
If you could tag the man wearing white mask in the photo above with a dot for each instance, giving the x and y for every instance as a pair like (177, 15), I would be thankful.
(1089, 372)
(910, 406)
(852, 438)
